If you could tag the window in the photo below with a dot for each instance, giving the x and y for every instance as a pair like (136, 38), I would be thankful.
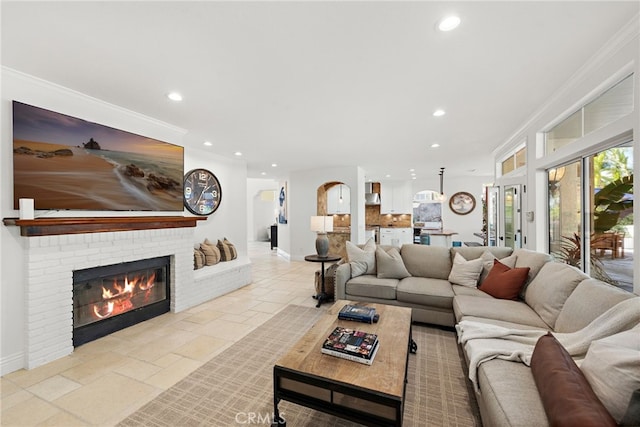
(514, 161)
(613, 104)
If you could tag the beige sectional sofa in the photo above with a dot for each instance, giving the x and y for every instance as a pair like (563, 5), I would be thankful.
(555, 297)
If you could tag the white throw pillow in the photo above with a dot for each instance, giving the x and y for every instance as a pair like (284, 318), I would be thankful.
(487, 264)
(612, 367)
(366, 254)
(465, 273)
(390, 264)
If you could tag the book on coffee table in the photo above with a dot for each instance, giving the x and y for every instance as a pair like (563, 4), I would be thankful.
(358, 313)
(351, 344)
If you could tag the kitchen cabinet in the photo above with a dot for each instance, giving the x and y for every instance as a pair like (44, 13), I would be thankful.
(334, 205)
(396, 236)
(395, 198)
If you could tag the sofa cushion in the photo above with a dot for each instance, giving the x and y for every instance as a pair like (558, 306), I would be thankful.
(509, 395)
(504, 282)
(370, 286)
(551, 287)
(612, 367)
(427, 261)
(566, 395)
(504, 324)
(424, 291)
(532, 259)
(465, 273)
(390, 264)
(498, 309)
(487, 264)
(465, 290)
(589, 300)
(366, 254)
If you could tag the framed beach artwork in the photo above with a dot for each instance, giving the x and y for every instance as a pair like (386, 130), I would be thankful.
(66, 163)
(282, 204)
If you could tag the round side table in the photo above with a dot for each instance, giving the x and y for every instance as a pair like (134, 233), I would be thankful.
(322, 296)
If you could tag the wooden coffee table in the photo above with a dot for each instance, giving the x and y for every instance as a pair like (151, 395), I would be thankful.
(369, 395)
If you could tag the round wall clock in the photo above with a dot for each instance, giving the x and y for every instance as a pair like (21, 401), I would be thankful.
(201, 192)
(462, 203)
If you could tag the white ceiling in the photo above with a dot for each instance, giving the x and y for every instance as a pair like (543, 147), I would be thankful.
(319, 84)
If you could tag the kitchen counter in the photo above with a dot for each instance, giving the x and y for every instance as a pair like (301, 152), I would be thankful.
(439, 237)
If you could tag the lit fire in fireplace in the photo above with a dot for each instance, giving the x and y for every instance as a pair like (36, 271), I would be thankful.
(121, 298)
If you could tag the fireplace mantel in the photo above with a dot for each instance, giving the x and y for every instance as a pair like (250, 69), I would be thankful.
(56, 226)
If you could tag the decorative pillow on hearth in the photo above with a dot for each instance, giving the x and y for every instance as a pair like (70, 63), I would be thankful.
(227, 250)
(234, 252)
(211, 252)
(465, 273)
(198, 259)
(504, 282)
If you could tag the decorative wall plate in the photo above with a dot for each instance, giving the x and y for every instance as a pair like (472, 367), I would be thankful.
(462, 203)
(202, 192)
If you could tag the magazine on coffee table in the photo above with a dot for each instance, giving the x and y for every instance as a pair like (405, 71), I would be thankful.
(351, 344)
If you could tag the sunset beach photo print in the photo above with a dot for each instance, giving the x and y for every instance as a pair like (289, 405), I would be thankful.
(66, 163)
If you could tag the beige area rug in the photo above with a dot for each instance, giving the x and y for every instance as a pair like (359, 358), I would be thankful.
(236, 387)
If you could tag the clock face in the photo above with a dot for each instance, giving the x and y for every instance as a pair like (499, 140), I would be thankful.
(201, 192)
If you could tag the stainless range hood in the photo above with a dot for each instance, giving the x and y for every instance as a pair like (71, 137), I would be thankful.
(370, 198)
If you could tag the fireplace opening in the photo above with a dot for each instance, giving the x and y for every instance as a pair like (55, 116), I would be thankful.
(113, 297)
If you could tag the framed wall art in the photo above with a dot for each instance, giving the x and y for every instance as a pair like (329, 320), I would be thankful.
(462, 203)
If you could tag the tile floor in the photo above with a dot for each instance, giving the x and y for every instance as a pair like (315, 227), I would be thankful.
(105, 380)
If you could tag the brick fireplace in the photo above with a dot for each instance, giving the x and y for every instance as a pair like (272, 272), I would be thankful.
(50, 262)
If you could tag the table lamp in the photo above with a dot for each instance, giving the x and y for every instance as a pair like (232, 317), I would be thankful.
(322, 225)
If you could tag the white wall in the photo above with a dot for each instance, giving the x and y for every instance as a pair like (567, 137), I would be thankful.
(228, 221)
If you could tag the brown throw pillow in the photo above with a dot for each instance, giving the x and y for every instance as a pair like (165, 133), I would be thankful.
(566, 395)
(504, 282)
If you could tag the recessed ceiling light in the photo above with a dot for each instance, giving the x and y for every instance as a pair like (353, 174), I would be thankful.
(413, 177)
(274, 165)
(238, 153)
(388, 176)
(263, 173)
(439, 113)
(435, 145)
(208, 143)
(448, 23)
(174, 96)
(412, 170)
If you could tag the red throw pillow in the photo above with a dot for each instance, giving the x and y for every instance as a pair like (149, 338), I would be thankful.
(504, 282)
(566, 395)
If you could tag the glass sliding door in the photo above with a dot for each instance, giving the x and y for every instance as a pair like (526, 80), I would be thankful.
(565, 213)
(611, 215)
(600, 218)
